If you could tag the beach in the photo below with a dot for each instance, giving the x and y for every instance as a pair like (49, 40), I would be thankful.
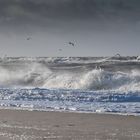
(37, 125)
(70, 70)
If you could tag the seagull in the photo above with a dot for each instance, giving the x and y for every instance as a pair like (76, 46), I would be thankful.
(60, 49)
(71, 43)
(29, 38)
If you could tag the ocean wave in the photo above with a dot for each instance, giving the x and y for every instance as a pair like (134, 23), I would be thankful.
(71, 100)
(40, 94)
(105, 84)
(25, 72)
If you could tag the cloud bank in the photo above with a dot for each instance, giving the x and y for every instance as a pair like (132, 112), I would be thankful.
(98, 27)
(69, 9)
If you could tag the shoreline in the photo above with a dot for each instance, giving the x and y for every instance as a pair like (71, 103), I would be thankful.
(42, 125)
(70, 111)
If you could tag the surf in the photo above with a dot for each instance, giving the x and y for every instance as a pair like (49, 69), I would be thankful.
(91, 84)
(70, 73)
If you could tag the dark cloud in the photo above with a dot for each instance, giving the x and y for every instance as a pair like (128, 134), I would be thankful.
(70, 9)
(69, 14)
(113, 24)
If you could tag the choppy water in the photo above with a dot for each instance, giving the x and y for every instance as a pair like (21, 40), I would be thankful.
(110, 84)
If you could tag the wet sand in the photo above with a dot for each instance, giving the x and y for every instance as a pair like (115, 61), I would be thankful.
(34, 125)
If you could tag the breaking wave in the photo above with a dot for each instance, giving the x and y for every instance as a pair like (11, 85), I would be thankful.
(67, 73)
(110, 84)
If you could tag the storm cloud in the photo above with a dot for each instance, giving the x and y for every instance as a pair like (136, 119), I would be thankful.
(96, 24)
(28, 10)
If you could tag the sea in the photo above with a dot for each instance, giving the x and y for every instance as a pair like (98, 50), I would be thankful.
(71, 84)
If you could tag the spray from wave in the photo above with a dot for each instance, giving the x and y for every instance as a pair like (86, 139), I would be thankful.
(66, 75)
(72, 84)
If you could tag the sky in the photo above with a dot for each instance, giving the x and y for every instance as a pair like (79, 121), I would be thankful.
(96, 27)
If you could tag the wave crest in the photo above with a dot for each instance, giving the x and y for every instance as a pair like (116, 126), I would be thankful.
(41, 75)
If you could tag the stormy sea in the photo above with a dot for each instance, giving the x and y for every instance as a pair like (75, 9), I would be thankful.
(77, 84)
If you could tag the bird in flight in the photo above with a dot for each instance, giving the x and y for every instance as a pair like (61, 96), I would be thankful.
(71, 43)
(60, 49)
(29, 38)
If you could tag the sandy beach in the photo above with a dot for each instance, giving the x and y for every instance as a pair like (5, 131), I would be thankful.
(35, 125)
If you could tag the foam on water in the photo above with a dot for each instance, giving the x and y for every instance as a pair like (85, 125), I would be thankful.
(71, 100)
(38, 75)
(76, 84)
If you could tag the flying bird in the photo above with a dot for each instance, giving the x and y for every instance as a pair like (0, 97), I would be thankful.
(71, 43)
(60, 49)
(29, 38)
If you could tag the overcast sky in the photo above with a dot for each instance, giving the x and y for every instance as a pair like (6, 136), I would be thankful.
(97, 27)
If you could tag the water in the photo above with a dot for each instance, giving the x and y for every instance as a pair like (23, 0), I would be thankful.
(102, 85)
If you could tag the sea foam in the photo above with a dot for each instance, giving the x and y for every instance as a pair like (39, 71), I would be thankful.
(74, 84)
